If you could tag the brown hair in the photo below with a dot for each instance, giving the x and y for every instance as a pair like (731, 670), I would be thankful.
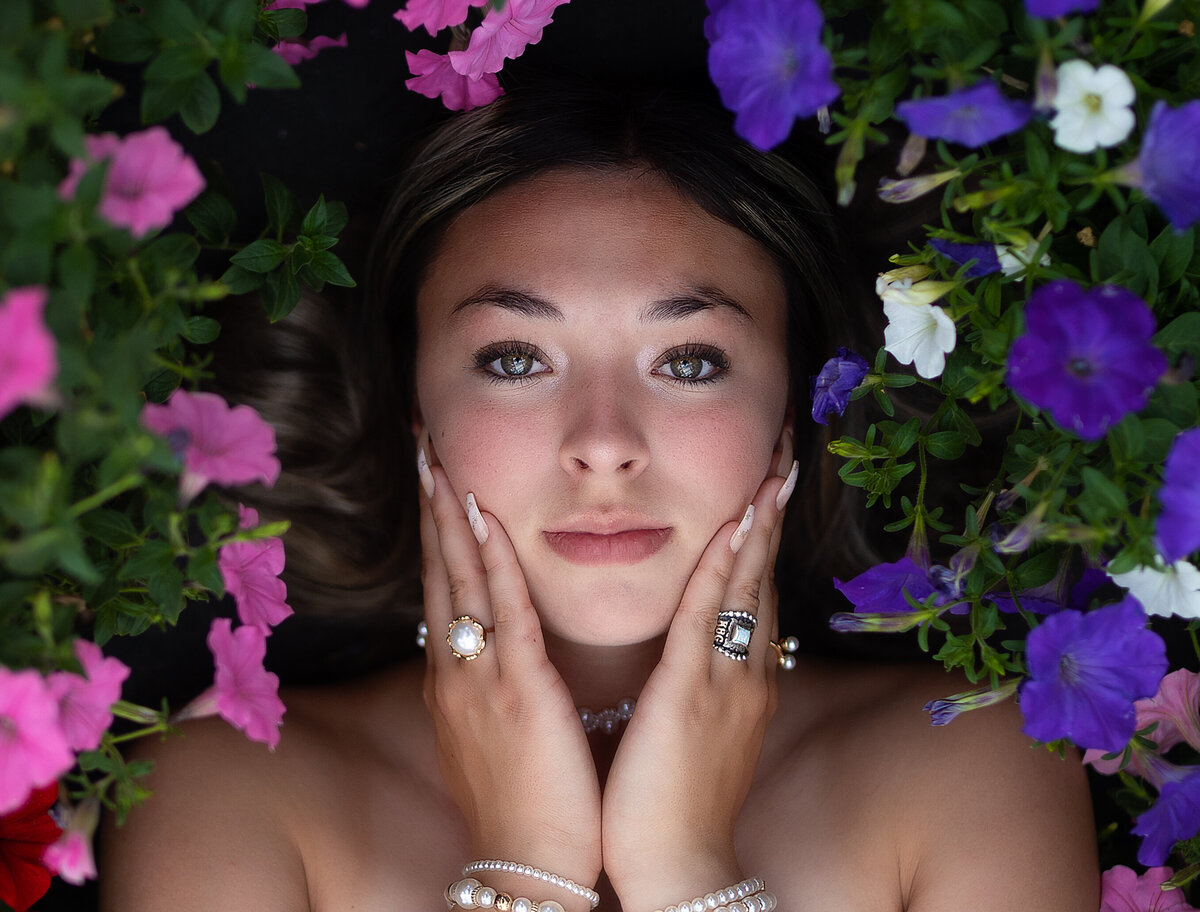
(338, 383)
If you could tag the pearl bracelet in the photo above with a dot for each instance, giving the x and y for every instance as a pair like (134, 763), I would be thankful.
(469, 893)
(512, 867)
(750, 895)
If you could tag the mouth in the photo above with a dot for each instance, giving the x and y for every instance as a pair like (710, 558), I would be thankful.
(594, 549)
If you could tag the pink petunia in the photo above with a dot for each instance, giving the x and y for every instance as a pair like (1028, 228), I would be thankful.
(33, 749)
(503, 35)
(1176, 709)
(243, 693)
(1122, 890)
(296, 50)
(229, 446)
(28, 352)
(435, 15)
(85, 701)
(251, 571)
(434, 77)
(149, 178)
(71, 857)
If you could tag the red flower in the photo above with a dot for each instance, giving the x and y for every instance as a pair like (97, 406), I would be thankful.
(24, 835)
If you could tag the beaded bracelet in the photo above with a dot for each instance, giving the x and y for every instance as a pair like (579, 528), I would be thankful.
(512, 867)
(751, 895)
(469, 893)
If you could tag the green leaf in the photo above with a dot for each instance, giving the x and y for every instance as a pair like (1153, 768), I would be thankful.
(165, 587)
(202, 330)
(153, 557)
(242, 281)
(261, 256)
(110, 527)
(178, 63)
(203, 107)
(213, 217)
(285, 23)
(80, 15)
(162, 99)
(1173, 252)
(315, 220)
(336, 217)
(171, 19)
(1103, 491)
(203, 569)
(328, 268)
(267, 70)
(280, 202)
(946, 444)
(127, 40)
(280, 294)
(1180, 336)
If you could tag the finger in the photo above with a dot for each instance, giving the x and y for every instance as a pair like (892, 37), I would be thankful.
(455, 570)
(518, 630)
(768, 595)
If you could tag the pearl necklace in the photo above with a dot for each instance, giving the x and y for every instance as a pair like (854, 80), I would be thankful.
(607, 720)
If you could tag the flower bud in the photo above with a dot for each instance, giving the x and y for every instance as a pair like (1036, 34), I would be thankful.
(903, 191)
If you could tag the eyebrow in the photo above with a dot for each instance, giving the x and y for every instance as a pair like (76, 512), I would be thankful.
(677, 307)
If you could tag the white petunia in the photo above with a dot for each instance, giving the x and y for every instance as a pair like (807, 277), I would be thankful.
(918, 332)
(1165, 590)
(1092, 106)
(1015, 260)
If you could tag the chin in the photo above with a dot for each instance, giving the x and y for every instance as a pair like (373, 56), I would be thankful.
(609, 613)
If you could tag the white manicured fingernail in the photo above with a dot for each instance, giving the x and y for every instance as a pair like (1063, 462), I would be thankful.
(423, 471)
(478, 526)
(785, 493)
(739, 534)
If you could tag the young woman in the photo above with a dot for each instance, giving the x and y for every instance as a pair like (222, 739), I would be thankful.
(598, 318)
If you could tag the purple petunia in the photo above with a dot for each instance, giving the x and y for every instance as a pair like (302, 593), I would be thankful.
(971, 116)
(881, 589)
(1175, 816)
(831, 389)
(1085, 671)
(1052, 9)
(986, 260)
(767, 61)
(1053, 597)
(1169, 160)
(1178, 527)
(1085, 356)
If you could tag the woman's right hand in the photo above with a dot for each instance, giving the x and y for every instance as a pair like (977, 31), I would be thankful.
(510, 746)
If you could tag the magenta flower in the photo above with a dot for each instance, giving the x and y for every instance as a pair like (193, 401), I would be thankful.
(229, 446)
(1052, 9)
(1085, 356)
(71, 857)
(435, 15)
(243, 693)
(85, 702)
(149, 178)
(251, 571)
(296, 50)
(28, 352)
(503, 35)
(767, 61)
(831, 389)
(1175, 816)
(1122, 890)
(986, 259)
(880, 590)
(1085, 671)
(971, 116)
(33, 749)
(1178, 526)
(434, 77)
(1169, 160)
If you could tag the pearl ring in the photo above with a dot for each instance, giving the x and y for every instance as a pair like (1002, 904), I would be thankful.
(467, 637)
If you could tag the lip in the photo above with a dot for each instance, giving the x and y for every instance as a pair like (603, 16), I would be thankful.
(594, 544)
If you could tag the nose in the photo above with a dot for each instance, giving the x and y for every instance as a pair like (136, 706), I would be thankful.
(603, 433)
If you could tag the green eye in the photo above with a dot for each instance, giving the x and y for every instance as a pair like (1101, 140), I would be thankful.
(516, 365)
(690, 367)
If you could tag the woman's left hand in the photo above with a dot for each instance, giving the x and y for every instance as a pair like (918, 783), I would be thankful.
(686, 761)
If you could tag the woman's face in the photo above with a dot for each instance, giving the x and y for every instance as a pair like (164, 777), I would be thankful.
(604, 365)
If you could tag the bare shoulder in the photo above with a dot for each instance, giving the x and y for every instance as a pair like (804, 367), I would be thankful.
(230, 824)
(973, 814)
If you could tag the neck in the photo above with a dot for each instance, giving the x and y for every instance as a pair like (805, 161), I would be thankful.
(599, 676)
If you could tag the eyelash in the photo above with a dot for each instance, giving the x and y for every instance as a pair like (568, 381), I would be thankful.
(489, 355)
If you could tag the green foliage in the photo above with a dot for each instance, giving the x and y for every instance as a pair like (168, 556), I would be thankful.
(94, 536)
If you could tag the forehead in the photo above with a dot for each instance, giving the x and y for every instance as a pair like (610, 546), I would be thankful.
(610, 238)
